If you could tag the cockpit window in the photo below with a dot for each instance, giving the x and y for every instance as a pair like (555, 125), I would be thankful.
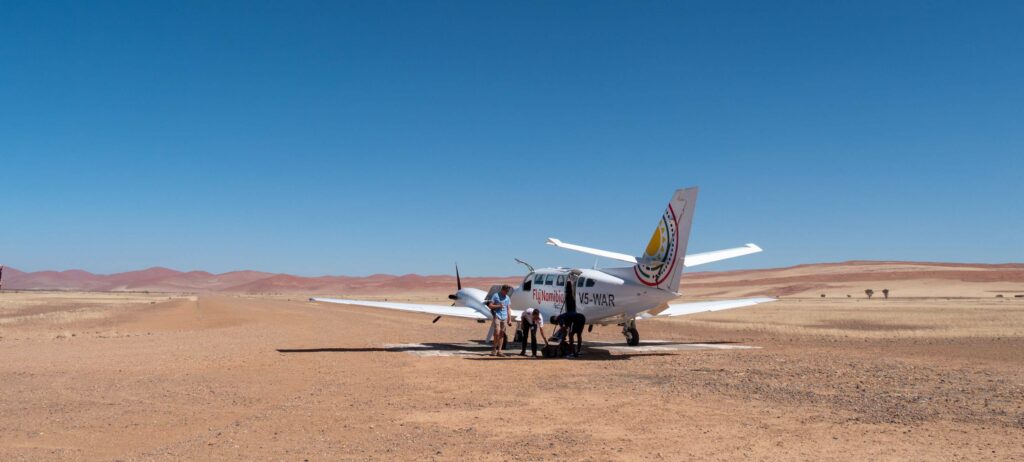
(528, 282)
(550, 279)
(539, 279)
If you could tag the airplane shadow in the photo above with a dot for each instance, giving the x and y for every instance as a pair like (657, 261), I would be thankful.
(661, 343)
(587, 355)
(480, 351)
(622, 343)
(392, 349)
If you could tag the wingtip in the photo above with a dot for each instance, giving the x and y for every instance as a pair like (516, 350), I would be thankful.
(553, 241)
(754, 247)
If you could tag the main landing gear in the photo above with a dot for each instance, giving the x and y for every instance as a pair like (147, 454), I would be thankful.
(630, 332)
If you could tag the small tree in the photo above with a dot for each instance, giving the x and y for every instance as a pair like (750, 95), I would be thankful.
(885, 292)
(822, 295)
(869, 292)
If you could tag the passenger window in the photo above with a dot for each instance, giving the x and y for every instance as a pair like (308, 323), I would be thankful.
(539, 279)
(561, 280)
(581, 282)
(549, 280)
(590, 283)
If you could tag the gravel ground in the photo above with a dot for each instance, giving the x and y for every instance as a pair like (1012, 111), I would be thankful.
(201, 378)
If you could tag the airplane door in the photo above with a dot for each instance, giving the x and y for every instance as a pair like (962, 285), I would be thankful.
(560, 283)
(570, 293)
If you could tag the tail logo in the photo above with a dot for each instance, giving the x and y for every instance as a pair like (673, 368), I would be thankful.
(660, 256)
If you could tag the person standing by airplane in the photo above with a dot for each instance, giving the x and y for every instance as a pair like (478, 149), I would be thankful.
(532, 320)
(574, 321)
(500, 306)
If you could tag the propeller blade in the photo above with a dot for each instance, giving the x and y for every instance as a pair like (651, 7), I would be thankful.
(458, 279)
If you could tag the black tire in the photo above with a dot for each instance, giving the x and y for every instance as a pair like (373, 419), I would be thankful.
(633, 339)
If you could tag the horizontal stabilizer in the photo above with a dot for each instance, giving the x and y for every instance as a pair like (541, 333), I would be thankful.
(717, 255)
(682, 309)
(688, 261)
(592, 251)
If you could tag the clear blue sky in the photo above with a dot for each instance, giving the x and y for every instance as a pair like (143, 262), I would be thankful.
(364, 137)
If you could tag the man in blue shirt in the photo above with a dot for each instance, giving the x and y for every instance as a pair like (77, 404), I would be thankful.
(500, 305)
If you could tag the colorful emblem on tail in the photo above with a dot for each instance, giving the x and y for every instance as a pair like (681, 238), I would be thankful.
(659, 258)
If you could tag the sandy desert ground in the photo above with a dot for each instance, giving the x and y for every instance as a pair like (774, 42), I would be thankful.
(97, 376)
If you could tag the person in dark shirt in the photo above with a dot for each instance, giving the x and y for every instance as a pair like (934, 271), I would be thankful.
(574, 323)
(570, 294)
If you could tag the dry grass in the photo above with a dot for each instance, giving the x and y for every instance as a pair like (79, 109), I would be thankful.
(859, 318)
(30, 308)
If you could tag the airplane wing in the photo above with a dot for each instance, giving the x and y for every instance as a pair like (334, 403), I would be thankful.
(455, 311)
(441, 310)
(690, 260)
(681, 309)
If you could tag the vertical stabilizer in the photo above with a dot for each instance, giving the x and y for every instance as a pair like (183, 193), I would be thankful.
(661, 264)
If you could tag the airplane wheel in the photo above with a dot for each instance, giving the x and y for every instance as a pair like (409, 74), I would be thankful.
(633, 337)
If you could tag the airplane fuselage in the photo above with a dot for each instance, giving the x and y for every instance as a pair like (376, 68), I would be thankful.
(606, 296)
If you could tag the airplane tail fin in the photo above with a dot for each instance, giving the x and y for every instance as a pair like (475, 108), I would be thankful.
(662, 262)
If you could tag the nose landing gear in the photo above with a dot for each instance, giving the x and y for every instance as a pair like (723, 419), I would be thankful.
(630, 332)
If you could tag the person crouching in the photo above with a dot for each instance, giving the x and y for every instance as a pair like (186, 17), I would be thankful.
(531, 321)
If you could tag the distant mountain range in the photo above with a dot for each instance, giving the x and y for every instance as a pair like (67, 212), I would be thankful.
(159, 279)
(832, 279)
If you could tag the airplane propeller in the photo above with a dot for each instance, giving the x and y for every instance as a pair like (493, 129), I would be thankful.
(458, 284)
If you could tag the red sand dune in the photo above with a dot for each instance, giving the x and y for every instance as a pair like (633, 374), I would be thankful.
(833, 279)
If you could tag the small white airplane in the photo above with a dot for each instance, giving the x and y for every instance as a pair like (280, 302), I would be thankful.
(605, 296)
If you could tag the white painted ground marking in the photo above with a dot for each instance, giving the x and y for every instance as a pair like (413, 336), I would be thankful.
(653, 346)
(442, 350)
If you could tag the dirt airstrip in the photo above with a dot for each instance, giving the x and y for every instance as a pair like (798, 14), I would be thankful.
(223, 377)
